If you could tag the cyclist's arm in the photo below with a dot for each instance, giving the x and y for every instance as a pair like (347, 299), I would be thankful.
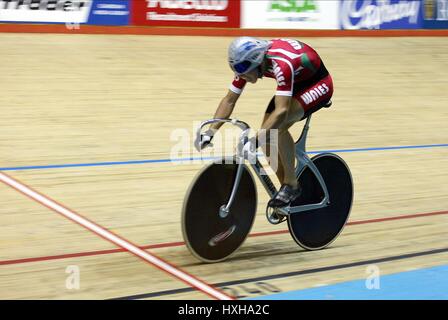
(225, 108)
(284, 74)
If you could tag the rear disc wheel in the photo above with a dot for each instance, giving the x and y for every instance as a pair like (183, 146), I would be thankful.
(316, 229)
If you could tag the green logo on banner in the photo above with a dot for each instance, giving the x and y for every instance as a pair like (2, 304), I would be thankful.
(298, 6)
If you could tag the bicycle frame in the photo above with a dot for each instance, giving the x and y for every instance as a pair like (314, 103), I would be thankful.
(302, 159)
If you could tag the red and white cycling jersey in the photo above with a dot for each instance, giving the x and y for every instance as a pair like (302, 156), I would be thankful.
(289, 61)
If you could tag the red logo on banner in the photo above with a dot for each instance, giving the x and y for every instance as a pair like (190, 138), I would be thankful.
(184, 13)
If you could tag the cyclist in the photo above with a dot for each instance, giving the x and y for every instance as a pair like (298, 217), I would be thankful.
(303, 83)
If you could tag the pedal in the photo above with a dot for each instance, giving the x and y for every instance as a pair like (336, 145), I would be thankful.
(274, 215)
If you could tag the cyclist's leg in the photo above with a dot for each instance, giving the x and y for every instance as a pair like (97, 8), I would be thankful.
(303, 101)
(270, 152)
(290, 189)
(286, 146)
(285, 154)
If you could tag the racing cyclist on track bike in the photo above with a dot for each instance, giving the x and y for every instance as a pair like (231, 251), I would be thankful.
(303, 83)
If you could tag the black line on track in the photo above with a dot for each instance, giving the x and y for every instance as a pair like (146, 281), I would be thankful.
(287, 274)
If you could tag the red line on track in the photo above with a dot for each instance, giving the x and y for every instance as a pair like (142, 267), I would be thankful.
(178, 244)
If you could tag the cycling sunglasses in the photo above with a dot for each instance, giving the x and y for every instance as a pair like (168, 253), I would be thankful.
(242, 67)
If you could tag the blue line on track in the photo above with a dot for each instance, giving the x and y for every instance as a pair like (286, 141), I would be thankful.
(423, 284)
(180, 160)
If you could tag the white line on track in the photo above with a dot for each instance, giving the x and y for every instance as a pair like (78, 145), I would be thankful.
(120, 242)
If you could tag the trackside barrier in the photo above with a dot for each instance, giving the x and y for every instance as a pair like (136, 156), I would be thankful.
(270, 18)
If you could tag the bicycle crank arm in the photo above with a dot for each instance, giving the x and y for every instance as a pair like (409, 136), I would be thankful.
(306, 207)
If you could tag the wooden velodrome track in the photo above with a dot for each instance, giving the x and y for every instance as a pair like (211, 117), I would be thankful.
(80, 99)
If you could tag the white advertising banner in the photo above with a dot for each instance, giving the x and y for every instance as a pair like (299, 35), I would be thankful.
(381, 14)
(290, 14)
(53, 11)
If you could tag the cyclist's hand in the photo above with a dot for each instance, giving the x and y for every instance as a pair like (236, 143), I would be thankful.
(204, 140)
(249, 150)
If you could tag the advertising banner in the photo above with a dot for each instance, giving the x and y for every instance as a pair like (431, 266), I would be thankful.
(381, 14)
(435, 14)
(107, 12)
(290, 14)
(48, 11)
(110, 12)
(183, 13)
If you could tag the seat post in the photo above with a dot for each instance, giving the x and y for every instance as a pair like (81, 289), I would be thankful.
(300, 148)
(301, 142)
(300, 145)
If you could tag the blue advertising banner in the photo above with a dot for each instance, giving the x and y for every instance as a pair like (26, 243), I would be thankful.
(381, 14)
(109, 12)
(435, 14)
(69, 12)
